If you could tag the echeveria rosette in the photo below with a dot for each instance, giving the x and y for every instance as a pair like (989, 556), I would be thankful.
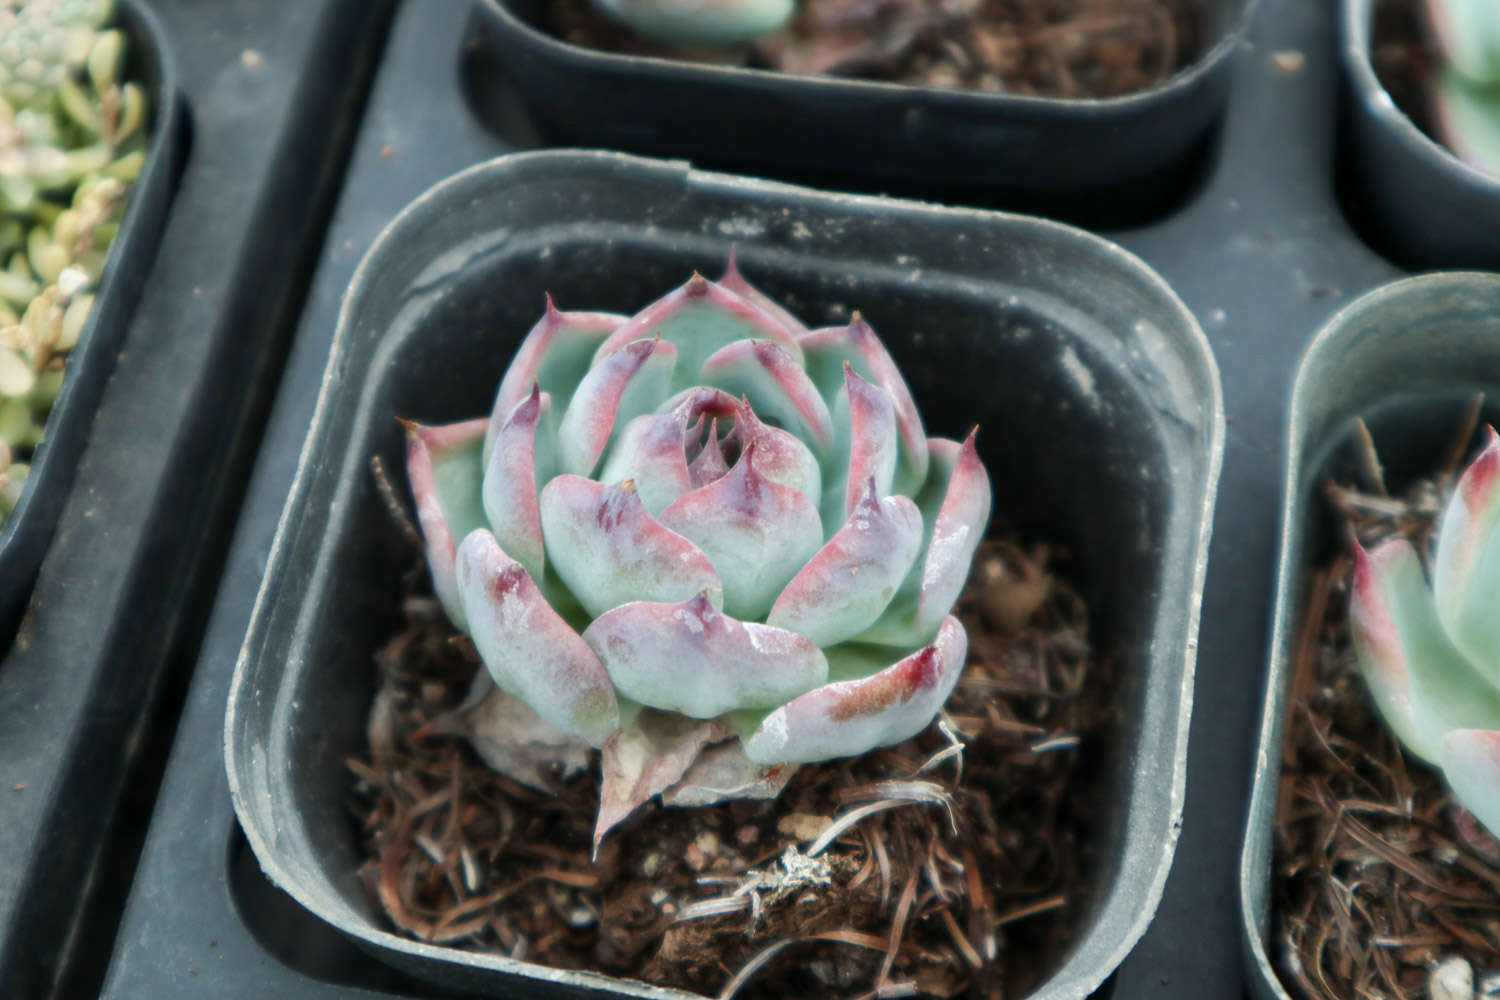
(1466, 91)
(706, 539)
(1431, 655)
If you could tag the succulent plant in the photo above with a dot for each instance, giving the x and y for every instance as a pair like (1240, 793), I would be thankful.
(705, 538)
(71, 141)
(1466, 94)
(699, 22)
(1431, 655)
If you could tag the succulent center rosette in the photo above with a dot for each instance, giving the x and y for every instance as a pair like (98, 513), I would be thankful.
(704, 538)
(1431, 655)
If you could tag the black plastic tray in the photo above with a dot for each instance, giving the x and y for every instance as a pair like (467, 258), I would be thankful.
(1262, 255)
(26, 533)
(92, 684)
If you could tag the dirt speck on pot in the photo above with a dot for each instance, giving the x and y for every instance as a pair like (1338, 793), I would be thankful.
(954, 864)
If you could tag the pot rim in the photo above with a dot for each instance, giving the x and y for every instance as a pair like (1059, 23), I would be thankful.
(287, 877)
(685, 72)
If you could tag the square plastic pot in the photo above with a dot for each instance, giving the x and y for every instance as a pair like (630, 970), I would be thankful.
(1407, 357)
(1423, 206)
(1096, 159)
(1088, 376)
(28, 531)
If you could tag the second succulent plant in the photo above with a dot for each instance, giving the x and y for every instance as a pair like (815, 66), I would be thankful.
(704, 538)
(1431, 654)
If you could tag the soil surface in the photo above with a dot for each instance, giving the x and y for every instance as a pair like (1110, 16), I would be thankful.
(1378, 875)
(1055, 48)
(956, 864)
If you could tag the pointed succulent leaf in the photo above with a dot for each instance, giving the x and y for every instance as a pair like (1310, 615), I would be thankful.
(608, 549)
(756, 532)
(555, 355)
(520, 459)
(1466, 571)
(1467, 119)
(735, 281)
(722, 773)
(1469, 33)
(651, 453)
(956, 534)
(829, 348)
(620, 387)
(780, 456)
(865, 448)
(1471, 763)
(700, 318)
(645, 758)
(691, 658)
(774, 382)
(709, 464)
(844, 587)
(955, 505)
(844, 718)
(527, 647)
(1379, 643)
(442, 464)
(1420, 681)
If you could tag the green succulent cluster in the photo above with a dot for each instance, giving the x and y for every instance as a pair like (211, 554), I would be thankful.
(72, 139)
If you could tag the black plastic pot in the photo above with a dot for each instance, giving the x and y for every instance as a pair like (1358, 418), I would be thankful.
(1422, 206)
(28, 531)
(1089, 375)
(1408, 358)
(1098, 160)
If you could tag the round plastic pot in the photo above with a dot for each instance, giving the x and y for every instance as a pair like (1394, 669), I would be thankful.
(1097, 158)
(1408, 359)
(1088, 377)
(28, 531)
(1423, 206)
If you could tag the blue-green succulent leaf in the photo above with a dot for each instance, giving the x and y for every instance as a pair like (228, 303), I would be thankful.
(844, 718)
(555, 355)
(688, 657)
(1420, 681)
(443, 466)
(527, 647)
(1471, 763)
(1466, 568)
(758, 534)
(608, 549)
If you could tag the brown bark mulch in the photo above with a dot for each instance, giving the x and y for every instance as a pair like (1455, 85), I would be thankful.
(956, 864)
